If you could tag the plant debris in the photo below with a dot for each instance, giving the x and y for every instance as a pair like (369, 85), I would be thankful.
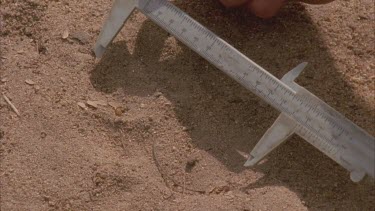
(95, 104)
(82, 105)
(29, 82)
(11, 105)
(65, 34)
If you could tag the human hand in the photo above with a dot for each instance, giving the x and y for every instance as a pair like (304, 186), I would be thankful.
(265, 8)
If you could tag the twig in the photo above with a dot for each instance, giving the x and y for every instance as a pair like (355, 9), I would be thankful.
(37, 47)
(11, 105)
(183, 190)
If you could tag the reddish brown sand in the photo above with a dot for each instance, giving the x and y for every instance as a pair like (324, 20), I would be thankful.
(173, 141)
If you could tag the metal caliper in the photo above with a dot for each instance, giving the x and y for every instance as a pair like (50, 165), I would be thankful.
(302, 112)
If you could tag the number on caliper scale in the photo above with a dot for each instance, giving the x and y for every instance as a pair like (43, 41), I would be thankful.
(301, 112)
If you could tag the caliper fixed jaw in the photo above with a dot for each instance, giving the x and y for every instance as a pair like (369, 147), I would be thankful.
(120, 12)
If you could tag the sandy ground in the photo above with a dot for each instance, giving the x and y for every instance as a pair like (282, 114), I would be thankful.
(171, 142)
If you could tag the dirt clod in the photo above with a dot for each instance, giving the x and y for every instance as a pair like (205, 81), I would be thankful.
(120, 111)
(2, 134)
(220, 189)
(81, 36)
(190, 164)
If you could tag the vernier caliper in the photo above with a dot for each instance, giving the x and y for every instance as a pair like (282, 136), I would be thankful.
(301, 112)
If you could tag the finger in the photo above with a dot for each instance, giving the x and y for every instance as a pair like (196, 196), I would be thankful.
(316, 1)
(233, 3)
(265, 8)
